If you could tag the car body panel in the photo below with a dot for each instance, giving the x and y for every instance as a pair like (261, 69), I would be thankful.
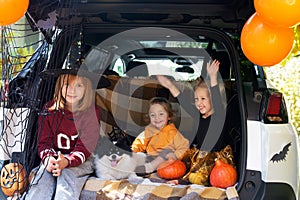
(269, 152)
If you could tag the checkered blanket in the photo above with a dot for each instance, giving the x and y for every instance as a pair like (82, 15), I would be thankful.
(125, 103)
(123, 189)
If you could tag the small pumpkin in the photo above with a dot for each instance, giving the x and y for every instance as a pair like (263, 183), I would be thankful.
(223, 175)
(171, 169)
(13, 179)
(198, 178)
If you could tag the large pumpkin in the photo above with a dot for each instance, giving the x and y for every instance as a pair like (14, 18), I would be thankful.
(171, 169)
(223, 175)
(13, 179)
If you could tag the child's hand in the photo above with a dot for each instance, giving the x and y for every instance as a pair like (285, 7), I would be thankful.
(167, 83)
(49, 162)
(212, 70)
(164, 81)
(60, 163)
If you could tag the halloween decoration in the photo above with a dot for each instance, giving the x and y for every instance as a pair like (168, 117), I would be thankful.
(223, 175)
(13, 179)
(201, 164)
(12, 10)
(171, 169)
(265, 45)
(199, 178)
(278, 13)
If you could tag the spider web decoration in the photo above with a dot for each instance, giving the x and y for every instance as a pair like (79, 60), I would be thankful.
(23, 92)
(27, 49)
(18, 44)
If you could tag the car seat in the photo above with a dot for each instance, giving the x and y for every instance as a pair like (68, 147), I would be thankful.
(136, 69)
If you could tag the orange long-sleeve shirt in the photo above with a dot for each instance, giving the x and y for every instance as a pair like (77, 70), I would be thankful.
(152, 141)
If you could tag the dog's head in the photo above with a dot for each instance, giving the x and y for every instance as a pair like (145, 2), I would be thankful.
(109, 153)
(115, 155)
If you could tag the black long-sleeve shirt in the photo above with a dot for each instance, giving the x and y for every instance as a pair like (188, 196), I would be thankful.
(206, 131)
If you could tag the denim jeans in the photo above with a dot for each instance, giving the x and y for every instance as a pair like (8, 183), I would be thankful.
(67, 186)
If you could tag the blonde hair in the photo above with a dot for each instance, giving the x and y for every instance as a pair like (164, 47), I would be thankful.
(205, 84)
(59, 100)
(202, 84)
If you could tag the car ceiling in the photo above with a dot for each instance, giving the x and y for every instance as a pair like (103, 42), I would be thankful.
(217, 13)
(100, 19)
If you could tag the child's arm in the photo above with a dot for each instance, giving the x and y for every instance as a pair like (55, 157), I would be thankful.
(212, 70)
(140, 143)
(181, 145)
(88, 139)
(45, 139)
(167, 83)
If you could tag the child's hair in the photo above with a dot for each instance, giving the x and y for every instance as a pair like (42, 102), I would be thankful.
(164, 103)
(59, 100)
(205, 84)
(202, 84)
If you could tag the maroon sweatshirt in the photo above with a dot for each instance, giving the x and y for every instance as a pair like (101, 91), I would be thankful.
(74, 135)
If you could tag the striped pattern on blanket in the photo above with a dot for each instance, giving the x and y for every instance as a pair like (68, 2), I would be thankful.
(123, 189)
(125, 104)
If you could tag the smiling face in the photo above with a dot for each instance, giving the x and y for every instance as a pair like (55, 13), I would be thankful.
(73, 90)
(159, 117)
(203, 101)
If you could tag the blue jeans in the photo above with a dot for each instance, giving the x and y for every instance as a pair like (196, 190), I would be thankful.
(67, 186)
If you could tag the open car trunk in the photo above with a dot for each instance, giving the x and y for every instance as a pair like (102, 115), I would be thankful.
(108, 35)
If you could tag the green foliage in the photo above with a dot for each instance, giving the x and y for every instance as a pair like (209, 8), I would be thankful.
(15, 57)
(286, 77)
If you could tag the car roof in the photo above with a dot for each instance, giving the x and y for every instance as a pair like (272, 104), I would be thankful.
(98, 20)
(226, 14)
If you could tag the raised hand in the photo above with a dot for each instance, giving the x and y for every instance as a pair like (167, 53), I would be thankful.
(212, 70)
(167, 83)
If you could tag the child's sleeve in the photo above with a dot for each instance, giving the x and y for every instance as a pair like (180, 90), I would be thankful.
(181, 145)
(45, 138)
(89, 137)
(140, 143)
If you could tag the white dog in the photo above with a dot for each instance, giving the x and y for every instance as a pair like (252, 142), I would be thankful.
(114, 163)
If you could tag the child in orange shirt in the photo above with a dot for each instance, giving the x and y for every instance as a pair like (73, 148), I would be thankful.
(161, 139)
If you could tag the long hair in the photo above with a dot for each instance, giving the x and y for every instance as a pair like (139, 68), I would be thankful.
(59, 100)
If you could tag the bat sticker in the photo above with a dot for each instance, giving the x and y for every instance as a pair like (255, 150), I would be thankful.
(282, 154)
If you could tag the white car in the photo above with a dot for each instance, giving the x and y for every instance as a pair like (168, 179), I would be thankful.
(137, 40)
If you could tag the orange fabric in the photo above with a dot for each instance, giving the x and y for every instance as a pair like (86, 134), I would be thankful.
(153, 141)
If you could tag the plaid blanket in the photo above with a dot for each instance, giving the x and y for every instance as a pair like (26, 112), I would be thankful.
(125, 104)
(123, 189)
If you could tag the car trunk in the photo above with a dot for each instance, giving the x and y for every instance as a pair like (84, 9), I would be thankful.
(92, 22)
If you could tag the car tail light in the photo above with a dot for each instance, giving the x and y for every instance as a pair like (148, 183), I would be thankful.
(274, 104)
(274, 108)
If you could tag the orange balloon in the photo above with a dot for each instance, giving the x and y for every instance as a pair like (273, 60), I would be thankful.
(265, 45)
(282, 13)
(12, 10)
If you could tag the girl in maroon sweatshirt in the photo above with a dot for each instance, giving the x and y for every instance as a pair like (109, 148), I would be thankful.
(69, 129)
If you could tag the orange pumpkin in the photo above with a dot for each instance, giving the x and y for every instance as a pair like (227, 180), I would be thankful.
(171, 169)
(223, 175)
(13, 179)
